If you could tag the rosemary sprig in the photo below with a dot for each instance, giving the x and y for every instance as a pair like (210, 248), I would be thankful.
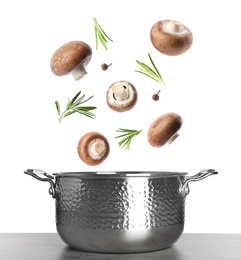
(73, 106)
(151, 73)
(99, 33)
(127, 137)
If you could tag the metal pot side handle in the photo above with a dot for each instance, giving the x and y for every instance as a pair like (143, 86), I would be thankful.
(184, 187)
(37, 174)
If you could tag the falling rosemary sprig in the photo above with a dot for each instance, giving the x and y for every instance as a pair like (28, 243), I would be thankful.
(152, 73)
(127, 137)
(99, 33)
(73, 106)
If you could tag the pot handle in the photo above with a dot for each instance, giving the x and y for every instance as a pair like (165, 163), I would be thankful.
(37, 174)
(184, 187)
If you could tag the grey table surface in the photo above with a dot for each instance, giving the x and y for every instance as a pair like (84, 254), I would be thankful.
(31, 246)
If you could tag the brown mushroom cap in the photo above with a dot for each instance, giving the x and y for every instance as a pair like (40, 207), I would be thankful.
(164, 129)
(69, 56)
(121, 96)
(171, 37)
(93, 148)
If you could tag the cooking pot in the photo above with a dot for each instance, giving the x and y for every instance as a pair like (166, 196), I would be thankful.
(119, 212)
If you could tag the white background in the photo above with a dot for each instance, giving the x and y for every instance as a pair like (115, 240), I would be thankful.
(202, 85)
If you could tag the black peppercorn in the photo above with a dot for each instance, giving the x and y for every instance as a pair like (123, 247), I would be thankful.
(104, 66)
(155, 97)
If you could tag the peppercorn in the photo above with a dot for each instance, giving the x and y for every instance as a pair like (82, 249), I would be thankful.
(155, 97)
(104, 66)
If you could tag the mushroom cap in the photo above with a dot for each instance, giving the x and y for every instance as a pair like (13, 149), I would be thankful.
(163, 129)
(69, 56)
(122, 105)
(84, 148)
(170, 43)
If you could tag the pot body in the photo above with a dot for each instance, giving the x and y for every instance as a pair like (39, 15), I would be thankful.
(119, 215)
(119, 212)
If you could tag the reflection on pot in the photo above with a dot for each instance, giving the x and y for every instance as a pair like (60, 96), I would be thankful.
(137, 216)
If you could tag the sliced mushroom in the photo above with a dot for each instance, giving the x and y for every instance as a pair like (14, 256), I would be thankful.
(171, 37)
(164, 129)
(93, 148)
(121, 96)
(71, 58)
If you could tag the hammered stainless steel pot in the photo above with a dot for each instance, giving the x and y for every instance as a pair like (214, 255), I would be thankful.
(119, 212)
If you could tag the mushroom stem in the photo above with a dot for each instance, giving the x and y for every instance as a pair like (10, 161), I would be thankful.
(173, 138)
(120, 92)
(78, 72)
(174, 27)
(97, 148)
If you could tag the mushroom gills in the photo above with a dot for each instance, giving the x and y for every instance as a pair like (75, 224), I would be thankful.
(79, 72)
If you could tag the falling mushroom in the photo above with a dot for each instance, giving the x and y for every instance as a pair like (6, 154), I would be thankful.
(121, 96)
(71, 58)
(93, 148)
(171, 37)
(164, 129)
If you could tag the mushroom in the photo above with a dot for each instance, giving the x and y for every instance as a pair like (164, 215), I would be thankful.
(171, 37)
(121, 96)
(71, 58)
(93, 148)
(164, 129)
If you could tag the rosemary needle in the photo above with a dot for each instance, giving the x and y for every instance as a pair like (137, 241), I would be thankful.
(100, 34)
(127, 137)
(151, 73)
(73, 106)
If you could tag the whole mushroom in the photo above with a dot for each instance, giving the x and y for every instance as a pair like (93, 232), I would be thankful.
(164, 129)
(171, 37)
(121, 96)
(71, 58)
(93, 148)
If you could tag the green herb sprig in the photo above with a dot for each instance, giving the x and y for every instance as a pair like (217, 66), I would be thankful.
(151, 73)
(99, 33)
(73, 106)
(127, 137)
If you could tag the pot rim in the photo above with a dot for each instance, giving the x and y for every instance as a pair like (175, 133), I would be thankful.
(120, 174)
